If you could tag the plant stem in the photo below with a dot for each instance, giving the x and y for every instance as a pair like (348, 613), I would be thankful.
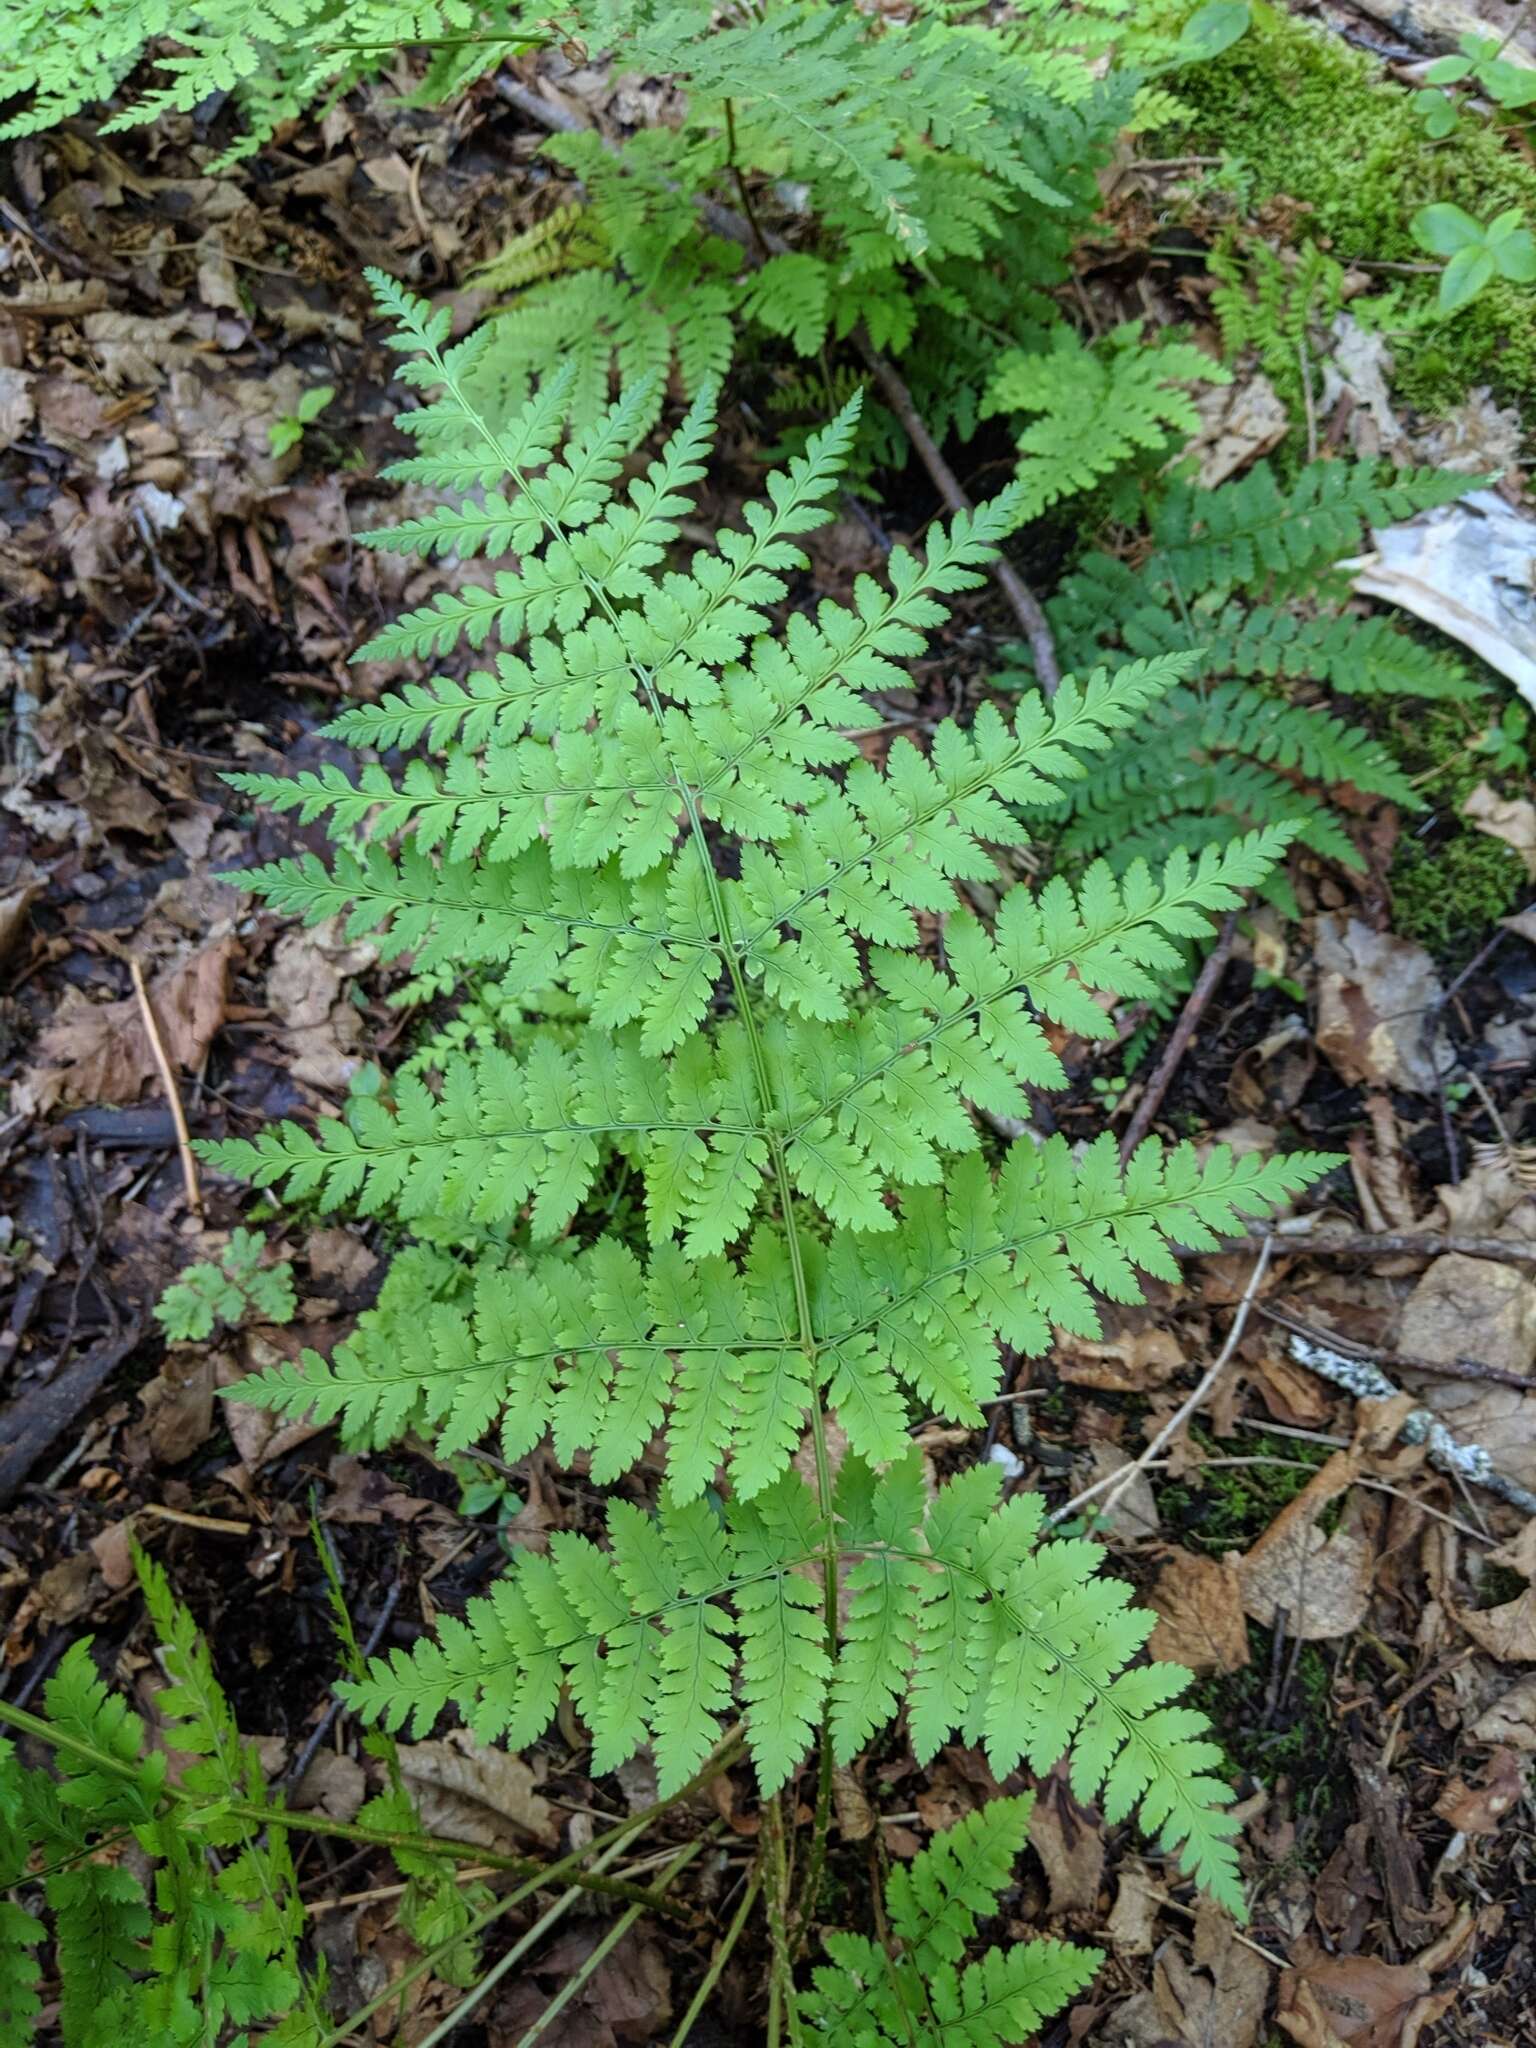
(781, 1992)
(718, 1960)
(537, 1875)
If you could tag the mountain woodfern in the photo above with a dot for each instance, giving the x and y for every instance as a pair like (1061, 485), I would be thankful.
(724, 1181)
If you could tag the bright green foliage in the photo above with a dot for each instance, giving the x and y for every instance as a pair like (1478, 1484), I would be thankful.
(214, 1943)
(276, 55)
(770, 1046)
(1226, 752)
(1097, 407)
(1479, 252)
(239, 1286)
(952, 1604)
(211, 1947)
(866, 1997)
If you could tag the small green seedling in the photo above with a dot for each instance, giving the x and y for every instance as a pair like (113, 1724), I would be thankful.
(238, 1286)
(1439, 115)
(1507, 742)
(1480, 63)
(1478, 254)
(288, 431)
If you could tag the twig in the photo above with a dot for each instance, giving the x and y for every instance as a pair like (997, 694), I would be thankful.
(293, 1777)
(1193, 1010)
(1115, 1483)
(1447, 1453)
(172, 1092)
(1400, 1361)
(1026, 606)
(760, 242)
(1329, 1243)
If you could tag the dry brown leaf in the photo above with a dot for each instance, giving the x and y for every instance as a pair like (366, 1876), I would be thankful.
(1507, 1632)
(1069, 1841)
(1479, 1809)
(1357, 2000)
(1510, 1720)
(1219, 2002)
(1239, 422)
(1128, 1508)
(16, 899)
(333, 1784)
(1199, 1605)
(855, 1815)
(178, 1408)
(1322, 1582)
(1124, 1364)
(1512, 819)
(1131, 1925)
(304, 988)
(479, 1794)
(101, 1051)
(1375, 992)
(258, 1433)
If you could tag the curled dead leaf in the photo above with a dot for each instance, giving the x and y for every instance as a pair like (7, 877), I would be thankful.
(1199, 1605)
(1375, 992)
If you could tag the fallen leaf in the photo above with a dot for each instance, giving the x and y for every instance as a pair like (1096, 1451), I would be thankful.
(333, 1784)
(1512, 819)
(1069, 1841)
(1479, 1809)
(1507, 1632)
(1357, 2000)
(1322, 1582)
(101, 1050)
(1128, 1508)
(17, 404)
(1125, 1364)
(1220, 1999)
(1131, 1924)
(479, 1794)
(1482, 1309)
(16, 899)
(1239, 422)
(1199, 1605)
(1374, 994)
(855, 1815)
(178, 1408)
(1511, 1719)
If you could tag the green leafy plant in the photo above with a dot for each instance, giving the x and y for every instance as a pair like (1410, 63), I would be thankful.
(1478, 253)
(239, 1286)
(1480, 62)
(288, 431)
(651, 823)
(867, 1996)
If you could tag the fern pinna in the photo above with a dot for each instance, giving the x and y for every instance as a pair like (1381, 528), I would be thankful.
(757, 999)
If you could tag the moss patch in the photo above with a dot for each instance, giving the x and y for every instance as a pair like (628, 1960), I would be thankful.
(1449, 884)
(1315, 121)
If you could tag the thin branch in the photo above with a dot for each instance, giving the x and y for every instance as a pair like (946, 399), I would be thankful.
(1328, 1242)
(1114, 1484)
(1448, 1453)
(1401, 1361)
(172, 1091)
(1194, 1009)
(1026, 606)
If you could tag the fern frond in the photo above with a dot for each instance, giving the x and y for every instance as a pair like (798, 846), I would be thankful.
(681, 1599)
(1098, 406)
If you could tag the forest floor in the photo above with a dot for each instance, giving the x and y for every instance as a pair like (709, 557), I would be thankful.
(178, 601)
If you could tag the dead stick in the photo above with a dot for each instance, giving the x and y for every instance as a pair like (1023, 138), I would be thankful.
(1400, 1361)
(1156, 1088)
(758, 242)
(172, 1091)
(1347, 1244)
(1114, 1484)
(1026, 606)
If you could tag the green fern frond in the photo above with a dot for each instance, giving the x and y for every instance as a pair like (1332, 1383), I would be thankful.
(1098, 406)
(650, 1631)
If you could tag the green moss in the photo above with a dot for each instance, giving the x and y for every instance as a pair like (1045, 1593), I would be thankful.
(1445, 896)
(1232, 1505)
(1449, 884)
(1314, 120)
